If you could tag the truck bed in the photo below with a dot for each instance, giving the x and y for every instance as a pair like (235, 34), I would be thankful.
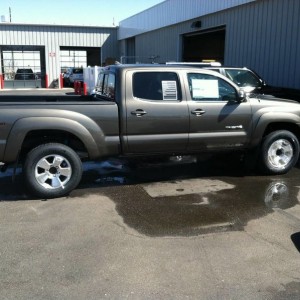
(48, 98)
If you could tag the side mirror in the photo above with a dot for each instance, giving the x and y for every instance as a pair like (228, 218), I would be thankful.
(242, 95)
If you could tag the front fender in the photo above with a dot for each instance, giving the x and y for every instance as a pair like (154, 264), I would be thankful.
(272, 118)
(29, 124)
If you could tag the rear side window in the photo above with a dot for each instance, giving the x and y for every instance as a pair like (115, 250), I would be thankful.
(109, 86)
(99, 84)
(161, 86)
(106, 85)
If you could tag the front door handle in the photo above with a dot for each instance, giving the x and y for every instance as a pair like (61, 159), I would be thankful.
(198, 112)
(139, 112)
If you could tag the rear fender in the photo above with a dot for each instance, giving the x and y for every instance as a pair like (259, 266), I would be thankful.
(23, 126)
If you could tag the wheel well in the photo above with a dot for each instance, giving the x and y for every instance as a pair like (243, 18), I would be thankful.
(38, 137)
(283, 126)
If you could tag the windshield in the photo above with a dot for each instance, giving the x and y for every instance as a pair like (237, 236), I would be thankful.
(243, 77)
(77, 71)
(24, 71)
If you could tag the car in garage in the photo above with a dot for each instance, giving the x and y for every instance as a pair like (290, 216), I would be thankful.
(24, 74)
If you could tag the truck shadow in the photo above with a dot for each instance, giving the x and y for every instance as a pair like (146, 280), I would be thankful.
(12, 187)
(295, 237)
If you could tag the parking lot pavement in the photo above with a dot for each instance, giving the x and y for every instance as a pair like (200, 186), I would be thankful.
(171, 230)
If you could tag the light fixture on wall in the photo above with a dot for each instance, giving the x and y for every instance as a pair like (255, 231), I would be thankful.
(196, 24)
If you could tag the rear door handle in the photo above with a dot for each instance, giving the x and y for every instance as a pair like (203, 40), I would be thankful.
(139, 112)
(198, 112)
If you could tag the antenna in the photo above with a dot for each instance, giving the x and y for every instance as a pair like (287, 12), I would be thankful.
(9, 14)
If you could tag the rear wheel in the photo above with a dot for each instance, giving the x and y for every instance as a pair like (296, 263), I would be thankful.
(52, 170)
(279, 152)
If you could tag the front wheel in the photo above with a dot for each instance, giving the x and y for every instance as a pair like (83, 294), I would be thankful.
(279, 152)
(52, 170)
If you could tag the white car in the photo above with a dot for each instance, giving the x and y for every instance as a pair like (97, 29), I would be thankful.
(76, 75)
(72, 75)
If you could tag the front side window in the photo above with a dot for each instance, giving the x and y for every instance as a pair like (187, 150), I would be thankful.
(205, 87)
(162, 86)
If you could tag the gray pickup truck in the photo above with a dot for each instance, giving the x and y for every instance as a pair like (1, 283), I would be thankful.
(142, 110)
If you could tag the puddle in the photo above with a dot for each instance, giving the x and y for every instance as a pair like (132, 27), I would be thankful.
(208, 211)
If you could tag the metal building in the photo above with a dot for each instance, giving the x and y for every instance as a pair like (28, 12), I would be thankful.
(44, 51)
(261, 34)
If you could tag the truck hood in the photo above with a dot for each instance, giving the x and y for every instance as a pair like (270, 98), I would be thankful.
(263, 97)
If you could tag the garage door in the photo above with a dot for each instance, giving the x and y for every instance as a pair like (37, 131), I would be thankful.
(23, 66)
(206, 45)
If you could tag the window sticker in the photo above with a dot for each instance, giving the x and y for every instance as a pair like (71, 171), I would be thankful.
(169, 89)
(205, 88)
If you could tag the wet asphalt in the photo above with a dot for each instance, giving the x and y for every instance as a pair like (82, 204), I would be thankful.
(188, 227)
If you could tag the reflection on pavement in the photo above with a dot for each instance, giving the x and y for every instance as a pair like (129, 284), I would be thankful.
(277, 195)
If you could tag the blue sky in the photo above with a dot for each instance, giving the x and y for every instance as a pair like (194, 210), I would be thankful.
(73, 12)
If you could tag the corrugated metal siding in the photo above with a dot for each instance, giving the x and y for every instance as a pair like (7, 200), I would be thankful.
(14, 34)
(262, 35)
(171, 12)
(53, 37)
(266, 39)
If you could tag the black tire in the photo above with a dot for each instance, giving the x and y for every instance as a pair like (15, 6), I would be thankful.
(279, 152)
(52, 170)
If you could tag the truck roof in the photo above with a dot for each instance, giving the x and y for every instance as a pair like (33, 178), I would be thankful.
(120, 68)
(153, 66)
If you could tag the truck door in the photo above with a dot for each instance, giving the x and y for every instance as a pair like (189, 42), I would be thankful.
(218, 119)
(157, 118)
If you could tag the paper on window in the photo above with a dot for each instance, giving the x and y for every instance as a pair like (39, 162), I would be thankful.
(169, 89)
(205, 88)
